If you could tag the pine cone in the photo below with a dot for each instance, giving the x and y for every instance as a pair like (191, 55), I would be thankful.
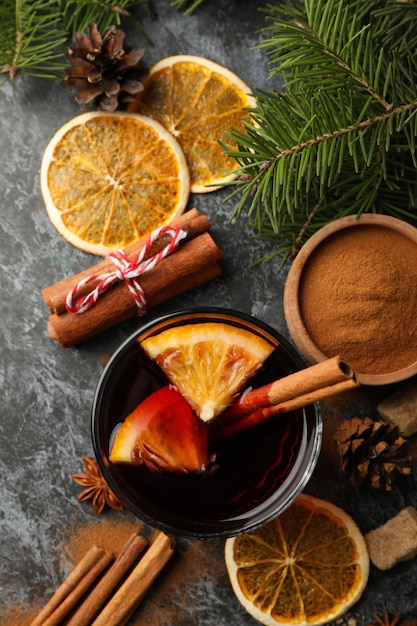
(372, 452)
(106, 75)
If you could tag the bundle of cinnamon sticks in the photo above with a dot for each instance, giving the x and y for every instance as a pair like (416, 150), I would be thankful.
(105, 591)
(194, 262)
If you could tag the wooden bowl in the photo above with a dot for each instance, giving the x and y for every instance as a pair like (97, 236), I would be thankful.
(341, 306)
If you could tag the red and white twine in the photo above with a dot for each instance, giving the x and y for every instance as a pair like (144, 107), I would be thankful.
(126, 271)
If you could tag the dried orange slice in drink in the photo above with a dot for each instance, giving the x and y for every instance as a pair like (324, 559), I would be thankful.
(305, 568)
(109, 179)
(197, 100)
(208, 362)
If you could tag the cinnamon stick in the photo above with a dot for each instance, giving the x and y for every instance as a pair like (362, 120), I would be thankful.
(126, 600)
(289, 393)
(192, 264)
(263, 414)
(97, 598)
(308, 380)
(80, 579)
(192, 222)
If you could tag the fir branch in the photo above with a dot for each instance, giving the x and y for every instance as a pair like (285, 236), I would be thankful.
(78, 14)
(334, 45)
(340, 137)
(33, 42)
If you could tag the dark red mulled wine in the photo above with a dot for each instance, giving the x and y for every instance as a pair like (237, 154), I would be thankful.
(257, 473)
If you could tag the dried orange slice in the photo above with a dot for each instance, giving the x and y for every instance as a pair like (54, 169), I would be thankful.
(305, 568)
(208, 362)
(197, 100)
(109, 179)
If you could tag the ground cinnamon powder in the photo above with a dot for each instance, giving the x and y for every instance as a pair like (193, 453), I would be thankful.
(18, 616)
(110, 533)
(358, 298)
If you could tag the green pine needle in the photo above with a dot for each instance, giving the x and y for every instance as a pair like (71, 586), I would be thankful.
(340, 137)
(187, 6)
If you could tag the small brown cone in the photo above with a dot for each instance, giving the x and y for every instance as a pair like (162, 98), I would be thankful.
(105, 74)
(372, 452)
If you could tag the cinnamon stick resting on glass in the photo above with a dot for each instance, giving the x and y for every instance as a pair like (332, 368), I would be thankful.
(194, 262)
(306, 386)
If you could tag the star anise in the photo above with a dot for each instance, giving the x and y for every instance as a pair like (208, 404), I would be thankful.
(95, 487)
(387, 620)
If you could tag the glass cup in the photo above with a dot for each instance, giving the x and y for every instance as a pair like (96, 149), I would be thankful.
(258, 472)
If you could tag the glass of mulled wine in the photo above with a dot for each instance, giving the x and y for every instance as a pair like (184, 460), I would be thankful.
(258, 472)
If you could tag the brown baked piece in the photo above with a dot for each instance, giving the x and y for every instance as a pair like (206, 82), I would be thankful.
(394, 541)
(401, 408)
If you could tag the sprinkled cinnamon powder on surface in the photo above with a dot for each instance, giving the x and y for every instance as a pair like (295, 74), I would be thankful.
(110, 533)
(18, 616)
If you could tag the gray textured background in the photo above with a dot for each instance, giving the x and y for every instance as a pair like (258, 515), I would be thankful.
(47, 391)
